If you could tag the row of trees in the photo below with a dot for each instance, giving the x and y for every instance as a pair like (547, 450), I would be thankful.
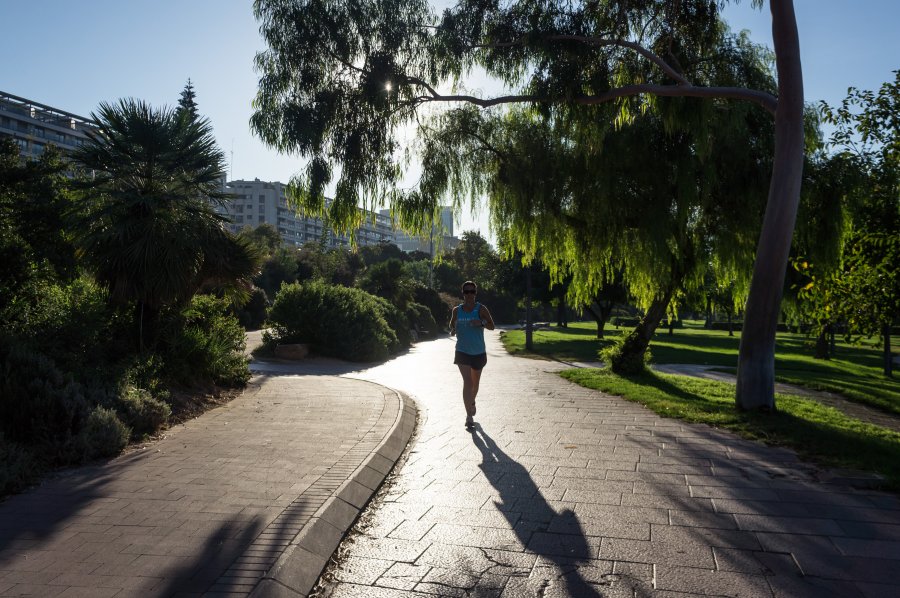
(386, 271)
(620, 154)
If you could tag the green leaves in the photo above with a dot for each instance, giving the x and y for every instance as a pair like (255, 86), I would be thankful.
(149, 231)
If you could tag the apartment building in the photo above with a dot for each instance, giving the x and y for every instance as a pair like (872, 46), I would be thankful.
(33, 125)
(441, 236)
(251, 203)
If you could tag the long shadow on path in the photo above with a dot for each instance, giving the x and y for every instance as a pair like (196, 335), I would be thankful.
(512, 480)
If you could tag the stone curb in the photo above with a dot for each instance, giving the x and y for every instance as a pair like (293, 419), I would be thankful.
(297, 570)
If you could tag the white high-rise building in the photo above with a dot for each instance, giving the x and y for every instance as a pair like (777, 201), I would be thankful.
(441, 236)
(33, 126)
(251, 203)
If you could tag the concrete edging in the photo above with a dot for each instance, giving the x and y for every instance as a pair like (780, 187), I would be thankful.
(297, 570)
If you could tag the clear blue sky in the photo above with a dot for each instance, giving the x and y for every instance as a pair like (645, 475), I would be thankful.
(73, 55)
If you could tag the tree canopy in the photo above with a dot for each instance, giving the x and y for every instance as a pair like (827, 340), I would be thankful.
(340, 82)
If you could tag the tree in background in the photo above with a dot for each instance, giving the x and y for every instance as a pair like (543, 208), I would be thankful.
(149, 232)
(187, 102)
(868, 132)
(810, 296)
(279, 263)
(34, 244)
(605, 299)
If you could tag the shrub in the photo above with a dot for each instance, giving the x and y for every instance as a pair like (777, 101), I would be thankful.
(18, 467)
(141, 412)
(398, 320)
(421, 320)
(336, 321)
(146, 371)
(103, 434)
(39, 404)
(439, 304)
(203, 343)
(66, 322)
(252, 314)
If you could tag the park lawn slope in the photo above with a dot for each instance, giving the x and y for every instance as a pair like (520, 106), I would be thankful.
(817, 432)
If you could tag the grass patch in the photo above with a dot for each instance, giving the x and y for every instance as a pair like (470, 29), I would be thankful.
(816, 431)
(855, 372)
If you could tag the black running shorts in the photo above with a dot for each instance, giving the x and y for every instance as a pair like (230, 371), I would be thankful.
(475, 361)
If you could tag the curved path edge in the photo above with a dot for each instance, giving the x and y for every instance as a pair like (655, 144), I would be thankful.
(297, 570)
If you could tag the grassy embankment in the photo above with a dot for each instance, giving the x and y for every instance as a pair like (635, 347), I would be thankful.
(820, 433)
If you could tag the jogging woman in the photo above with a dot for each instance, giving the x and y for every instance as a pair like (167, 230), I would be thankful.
(467, 322)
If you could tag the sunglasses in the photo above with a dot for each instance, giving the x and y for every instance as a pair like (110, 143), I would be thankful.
(469, 292)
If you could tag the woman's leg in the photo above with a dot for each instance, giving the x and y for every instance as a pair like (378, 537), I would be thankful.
(476, 378)
(468, 394)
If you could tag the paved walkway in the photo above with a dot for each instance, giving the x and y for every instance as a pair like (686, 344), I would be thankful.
(217, 504)
(564, 491)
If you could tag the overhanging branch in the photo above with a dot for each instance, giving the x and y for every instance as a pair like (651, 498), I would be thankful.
(766, 100)
(683, 87)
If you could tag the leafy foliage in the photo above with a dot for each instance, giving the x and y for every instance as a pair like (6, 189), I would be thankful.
(340, 81)
(204, 343)
(72, 386)
(149, 232)
(34, 245)
(103, 434)
(862, 288)
(141, 412)
(336, 321)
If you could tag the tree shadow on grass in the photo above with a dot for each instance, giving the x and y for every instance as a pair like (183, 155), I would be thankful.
(569, 551)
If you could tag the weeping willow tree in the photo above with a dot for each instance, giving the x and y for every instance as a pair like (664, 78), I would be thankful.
(651, 203)
(654, 202)
(341, 83)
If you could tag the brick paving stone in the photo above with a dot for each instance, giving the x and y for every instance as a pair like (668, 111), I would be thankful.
(717, 583)
(207, 509)
(556, 482)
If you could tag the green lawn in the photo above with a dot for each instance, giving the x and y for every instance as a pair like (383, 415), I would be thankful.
(855, 372)
(818, 432)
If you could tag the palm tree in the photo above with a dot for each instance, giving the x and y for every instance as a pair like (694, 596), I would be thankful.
(149, 231)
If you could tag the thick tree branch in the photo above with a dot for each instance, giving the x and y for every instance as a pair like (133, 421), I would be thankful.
(766, 100)
(601, 42)
(684, 88)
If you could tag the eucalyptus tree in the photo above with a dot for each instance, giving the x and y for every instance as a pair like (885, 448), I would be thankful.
(149, 231)
(341, 80)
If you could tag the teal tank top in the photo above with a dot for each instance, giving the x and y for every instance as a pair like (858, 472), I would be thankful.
(469, 338)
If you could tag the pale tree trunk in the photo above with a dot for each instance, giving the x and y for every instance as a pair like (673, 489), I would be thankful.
(756, 360)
